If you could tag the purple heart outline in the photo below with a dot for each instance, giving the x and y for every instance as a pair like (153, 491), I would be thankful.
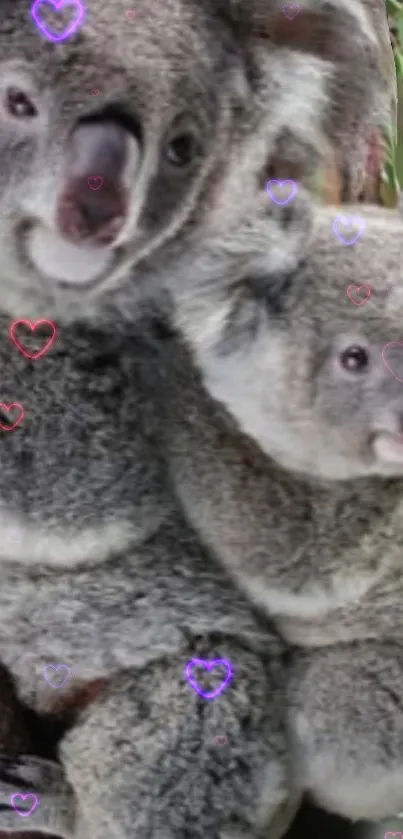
(348, 220)
(24, 796)
(57, 5)
(281, 184)
(294, 8)
(208, 665)
(55, 668)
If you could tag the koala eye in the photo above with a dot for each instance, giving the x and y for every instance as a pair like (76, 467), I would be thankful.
(19, 104)
(182, 149)
(354, 359)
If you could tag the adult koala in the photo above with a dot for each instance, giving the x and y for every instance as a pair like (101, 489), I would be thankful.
(100, 570)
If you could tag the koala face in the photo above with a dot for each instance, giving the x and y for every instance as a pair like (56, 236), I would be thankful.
(113, 141)
(315, 379)
(106, 140)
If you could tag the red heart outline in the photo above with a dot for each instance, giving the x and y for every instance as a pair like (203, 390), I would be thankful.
(32, 326)
(95, 178)
(8, 408)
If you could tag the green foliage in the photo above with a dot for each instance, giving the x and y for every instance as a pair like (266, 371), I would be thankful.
(393, 8)
(393, 170)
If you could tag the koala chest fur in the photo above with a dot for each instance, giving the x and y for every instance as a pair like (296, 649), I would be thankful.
(97, 569)
(68, 498)
(322, 558)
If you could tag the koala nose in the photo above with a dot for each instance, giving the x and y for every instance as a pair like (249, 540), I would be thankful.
(93, 203)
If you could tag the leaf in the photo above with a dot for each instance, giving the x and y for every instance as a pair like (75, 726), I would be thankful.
(398, 64)
(394, 8)
(389, 187)
(388, 131)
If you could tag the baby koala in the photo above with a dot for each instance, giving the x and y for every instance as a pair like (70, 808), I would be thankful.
(293, 474)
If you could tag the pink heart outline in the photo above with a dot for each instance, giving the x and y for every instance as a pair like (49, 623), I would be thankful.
(95, 178)
(24, 796)
(357, 288)
(32, 326)
(220, 740)
(8, 408)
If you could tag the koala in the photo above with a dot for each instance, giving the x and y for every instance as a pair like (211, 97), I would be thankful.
(115, 144)
(286, 449)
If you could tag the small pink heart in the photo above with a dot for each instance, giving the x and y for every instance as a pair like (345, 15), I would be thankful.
(354, 291)
(8, 408)
(398, 353)
(94, 91)
(220, 740)
(130, 14)
(18, 809)
(95, 182)
(290, 10)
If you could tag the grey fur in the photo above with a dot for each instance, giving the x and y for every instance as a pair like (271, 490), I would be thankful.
(99, 568)
(309, 522)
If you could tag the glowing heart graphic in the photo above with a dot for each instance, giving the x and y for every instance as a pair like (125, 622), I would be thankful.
(208, 665)
(95, 183)
(32, 326)
(353, 226)
(281, 192)
(23, 797)
(58, 5)
(5, 409)
(53, 679)
(353, 294)
(291, 10)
